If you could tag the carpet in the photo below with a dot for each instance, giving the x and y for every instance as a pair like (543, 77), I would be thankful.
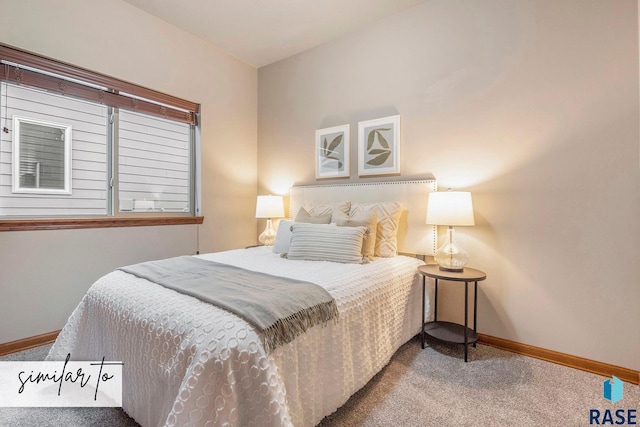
(430, 387)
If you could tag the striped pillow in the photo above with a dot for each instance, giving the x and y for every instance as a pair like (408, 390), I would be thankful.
(326, 242)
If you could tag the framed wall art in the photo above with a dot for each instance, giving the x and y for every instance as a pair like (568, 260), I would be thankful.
(379, 146)
(332, 152)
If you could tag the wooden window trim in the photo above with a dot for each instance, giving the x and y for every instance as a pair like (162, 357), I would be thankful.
(66, 87)
(47, 64)
(102, 222)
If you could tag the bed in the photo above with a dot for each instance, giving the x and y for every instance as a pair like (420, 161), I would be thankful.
(188, 362)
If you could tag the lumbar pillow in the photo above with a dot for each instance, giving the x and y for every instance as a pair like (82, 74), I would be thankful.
(304, 216)
(367, 219)
(326, 242)
(388, 216)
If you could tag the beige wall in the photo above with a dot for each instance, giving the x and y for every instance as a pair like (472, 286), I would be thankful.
(531, 105)
(43, 275)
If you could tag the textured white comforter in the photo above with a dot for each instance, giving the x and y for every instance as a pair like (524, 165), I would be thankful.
(187, 362)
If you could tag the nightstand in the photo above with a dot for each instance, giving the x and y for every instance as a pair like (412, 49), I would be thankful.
(449, 331)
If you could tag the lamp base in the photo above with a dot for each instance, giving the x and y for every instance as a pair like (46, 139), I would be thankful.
(450, 256)
(268, 236)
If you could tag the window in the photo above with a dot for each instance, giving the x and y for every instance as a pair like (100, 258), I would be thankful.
(154, 163)
(76, 143)
(41, 157)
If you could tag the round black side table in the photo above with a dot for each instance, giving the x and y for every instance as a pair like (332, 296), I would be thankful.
(449, 331)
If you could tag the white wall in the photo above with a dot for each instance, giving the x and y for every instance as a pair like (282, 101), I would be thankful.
(533, 107)
(46, 273)
(38, 292)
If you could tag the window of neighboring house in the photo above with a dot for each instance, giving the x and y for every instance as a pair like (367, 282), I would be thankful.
(41, 157)
(74, 143)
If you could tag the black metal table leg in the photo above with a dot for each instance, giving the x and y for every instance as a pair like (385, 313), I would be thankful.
(435, 303)
(475, 309)
(466, 319)
(424, 285)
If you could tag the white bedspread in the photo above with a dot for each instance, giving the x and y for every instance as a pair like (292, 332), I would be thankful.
(187, 362)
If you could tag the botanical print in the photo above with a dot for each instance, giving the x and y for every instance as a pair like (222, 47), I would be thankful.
(378, 152)
(332, 152)
(379, 146)
(332, 157)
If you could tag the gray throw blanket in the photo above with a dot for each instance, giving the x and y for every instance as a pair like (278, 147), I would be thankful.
(279, 307)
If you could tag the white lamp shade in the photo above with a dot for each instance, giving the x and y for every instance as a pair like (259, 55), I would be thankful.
(270, 207)
(450, 208)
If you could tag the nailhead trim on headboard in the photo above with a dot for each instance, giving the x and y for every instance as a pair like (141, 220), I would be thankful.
(417, 237)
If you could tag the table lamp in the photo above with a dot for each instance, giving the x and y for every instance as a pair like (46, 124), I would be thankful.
(269, 207)
(450, 208)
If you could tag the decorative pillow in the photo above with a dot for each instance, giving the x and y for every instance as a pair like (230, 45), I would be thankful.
(388, 215)
(367, 219)
(326, 242)
(327, 208)
(304, 216)
(283, 237)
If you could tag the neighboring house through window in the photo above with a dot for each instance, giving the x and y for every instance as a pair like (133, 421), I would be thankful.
(73, 148)
(53, 154)
(154, 163)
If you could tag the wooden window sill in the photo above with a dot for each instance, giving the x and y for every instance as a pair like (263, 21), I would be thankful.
(103, 222)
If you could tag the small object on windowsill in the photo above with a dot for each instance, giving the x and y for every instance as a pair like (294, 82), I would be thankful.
(173, 209)
(143, 205)
(253, 246)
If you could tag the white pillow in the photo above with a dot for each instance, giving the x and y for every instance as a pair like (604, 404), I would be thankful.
(326, 242)
(283, 237)
(388, 215)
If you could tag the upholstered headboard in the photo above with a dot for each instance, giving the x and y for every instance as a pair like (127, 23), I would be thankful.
(414, 236)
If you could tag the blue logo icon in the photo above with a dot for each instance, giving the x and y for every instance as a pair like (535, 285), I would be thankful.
(612, 389)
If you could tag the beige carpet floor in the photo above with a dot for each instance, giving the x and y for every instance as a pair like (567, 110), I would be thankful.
(430, 387)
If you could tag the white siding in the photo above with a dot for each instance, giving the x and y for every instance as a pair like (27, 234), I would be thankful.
(89, 153)
(153, 162)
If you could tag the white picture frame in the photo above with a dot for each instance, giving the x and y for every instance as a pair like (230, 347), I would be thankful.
(379, 146)
(332, 152)
(62, 151)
